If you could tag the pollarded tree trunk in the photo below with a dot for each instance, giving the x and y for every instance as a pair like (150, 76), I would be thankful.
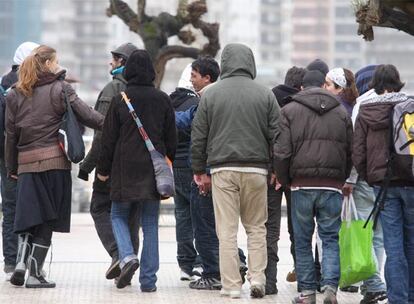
(155, 31)
(384, 13)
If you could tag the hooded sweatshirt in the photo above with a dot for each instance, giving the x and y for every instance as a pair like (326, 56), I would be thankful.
(313, 146)
(281, 92)
(182, 99)
(371, 144)
(236, 119)
(124, 155)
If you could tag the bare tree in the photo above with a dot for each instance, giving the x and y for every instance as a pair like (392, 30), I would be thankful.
(397, 14)
(155, 31)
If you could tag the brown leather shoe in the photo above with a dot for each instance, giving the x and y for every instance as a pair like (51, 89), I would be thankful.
(291, 276)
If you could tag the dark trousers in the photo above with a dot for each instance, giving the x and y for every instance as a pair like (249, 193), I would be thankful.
(42, 234)
(101, 214)
(184, 231)
(8, 196)
(206, 241)
(274, 202)
(287, 193)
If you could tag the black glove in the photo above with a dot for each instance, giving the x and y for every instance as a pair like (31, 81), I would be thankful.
(83, 175)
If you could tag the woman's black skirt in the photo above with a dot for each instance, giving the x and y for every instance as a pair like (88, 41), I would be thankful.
(43, 197)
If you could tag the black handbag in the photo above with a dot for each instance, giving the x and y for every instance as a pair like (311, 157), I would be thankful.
(70, 136)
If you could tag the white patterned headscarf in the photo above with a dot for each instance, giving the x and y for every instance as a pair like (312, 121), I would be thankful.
(337, 75)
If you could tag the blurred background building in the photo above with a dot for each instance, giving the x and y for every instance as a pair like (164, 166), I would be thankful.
(281, 33)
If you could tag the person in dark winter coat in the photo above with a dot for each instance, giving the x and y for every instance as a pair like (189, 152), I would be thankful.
(101, 203)
(125, 158)
(318, 65)
(371, 156)
(8, 185)
(312, 154)
(34, 114)
(291, 86)
(183, 98)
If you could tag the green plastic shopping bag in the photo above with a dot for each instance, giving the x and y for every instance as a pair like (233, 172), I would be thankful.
(355, 246)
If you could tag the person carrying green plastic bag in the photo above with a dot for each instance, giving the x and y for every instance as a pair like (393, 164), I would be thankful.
(355, 246)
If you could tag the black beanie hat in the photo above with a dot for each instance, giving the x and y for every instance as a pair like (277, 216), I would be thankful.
(313, 79)
(318, 65)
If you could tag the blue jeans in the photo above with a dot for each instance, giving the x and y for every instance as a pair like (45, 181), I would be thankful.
(207, 243)
(397, 221)
(364, 201)
(8, 196)
(150, 251)
(184, 231)
(326, 206)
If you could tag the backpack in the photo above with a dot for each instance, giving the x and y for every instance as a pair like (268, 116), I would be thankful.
(401, 151)
(403, 128)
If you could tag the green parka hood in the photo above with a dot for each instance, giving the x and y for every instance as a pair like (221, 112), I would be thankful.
(237, 60)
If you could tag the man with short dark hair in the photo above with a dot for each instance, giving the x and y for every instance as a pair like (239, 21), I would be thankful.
(204, 71)
(100, 203)
(292, 85)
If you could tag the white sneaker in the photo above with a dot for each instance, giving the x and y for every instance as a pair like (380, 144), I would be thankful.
(234, 294)
(198, 271)
(185, 276)
(8, 276)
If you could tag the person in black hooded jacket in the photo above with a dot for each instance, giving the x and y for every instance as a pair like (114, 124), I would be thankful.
(125, 157)
(183, 98)
(292, 85)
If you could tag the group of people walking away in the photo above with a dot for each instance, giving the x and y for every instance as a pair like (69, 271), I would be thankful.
(237, 148)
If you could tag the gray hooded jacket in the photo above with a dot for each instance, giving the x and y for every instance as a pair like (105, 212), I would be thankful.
(236, 120)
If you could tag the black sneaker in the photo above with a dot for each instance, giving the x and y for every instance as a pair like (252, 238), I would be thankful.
(206, 284)
(351, 289)
(153, 289)
(127, 272)
(271, 290)
(117, 279)
(373, 297)
(114, 270)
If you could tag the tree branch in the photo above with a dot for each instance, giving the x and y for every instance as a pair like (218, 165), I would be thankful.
(125, 13)
(169, 52)
(141, 16)
(380, 15)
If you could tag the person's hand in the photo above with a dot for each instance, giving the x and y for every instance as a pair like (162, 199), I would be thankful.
(203, 181)
(275, 182)
(83, 175)
(347, 189)
(13, 176)
(103, 178)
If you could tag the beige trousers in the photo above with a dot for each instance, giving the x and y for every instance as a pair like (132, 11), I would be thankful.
(244, 195)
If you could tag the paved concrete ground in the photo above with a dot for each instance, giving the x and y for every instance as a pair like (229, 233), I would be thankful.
(80, 262)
